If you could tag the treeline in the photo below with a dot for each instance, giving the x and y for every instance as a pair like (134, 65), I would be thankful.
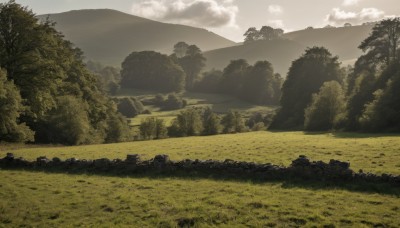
(319, 95)
(257, 84)
(201, 121)
(47, 95)
(265, 33)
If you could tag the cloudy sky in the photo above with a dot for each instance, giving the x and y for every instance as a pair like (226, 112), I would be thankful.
(231, 18)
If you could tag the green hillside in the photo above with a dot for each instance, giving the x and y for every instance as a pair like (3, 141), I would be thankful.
(342, 42)
(108, 36)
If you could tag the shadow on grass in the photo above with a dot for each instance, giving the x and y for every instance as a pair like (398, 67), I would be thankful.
(349, 135)
(286, 182)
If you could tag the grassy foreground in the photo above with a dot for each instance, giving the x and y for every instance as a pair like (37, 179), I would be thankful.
(59, 200)
(55, 200)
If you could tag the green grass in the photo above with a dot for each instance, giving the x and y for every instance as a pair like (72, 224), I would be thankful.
(368, 152)
(51, 199)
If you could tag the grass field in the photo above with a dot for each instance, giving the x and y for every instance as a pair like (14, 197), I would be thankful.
(49, 199)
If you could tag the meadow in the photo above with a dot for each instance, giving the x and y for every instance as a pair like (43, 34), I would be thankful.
(30, 199)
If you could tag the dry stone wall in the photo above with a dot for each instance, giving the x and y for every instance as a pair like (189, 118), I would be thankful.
(301, 168)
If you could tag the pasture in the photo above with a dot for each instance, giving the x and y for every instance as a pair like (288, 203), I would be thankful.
(58, 199)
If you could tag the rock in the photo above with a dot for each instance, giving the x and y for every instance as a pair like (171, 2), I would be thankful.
(9, 157)
(301, 161)
(343, 165)
(102, 163)
(160, 161)
(42, 160)
(133, 159)
(56, 160)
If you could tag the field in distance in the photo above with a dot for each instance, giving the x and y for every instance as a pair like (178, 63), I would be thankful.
(45, 199)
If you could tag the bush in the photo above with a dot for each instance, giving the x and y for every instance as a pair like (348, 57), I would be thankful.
(233, 123)
(130, 107)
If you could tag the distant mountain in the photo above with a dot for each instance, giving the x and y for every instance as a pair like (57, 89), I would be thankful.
(342, 42)
(108, 36)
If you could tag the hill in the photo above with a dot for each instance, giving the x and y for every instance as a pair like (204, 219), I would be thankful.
(108, 36)
(279, 52)
(342, 42)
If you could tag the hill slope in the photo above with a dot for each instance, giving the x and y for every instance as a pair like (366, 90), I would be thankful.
(108, 36)
(340, 41)
(278, 52)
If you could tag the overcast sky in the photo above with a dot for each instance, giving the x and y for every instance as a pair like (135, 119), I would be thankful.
(231, 18)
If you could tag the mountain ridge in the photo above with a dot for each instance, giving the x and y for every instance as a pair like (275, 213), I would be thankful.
(108, 36)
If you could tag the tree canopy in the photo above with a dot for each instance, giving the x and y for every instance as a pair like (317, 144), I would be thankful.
(305, 77)
(49, 72)
(151, 70)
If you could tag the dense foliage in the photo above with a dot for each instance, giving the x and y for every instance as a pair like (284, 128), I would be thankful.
(305, 77)
(49, 74)
(192, 61)
(265, 33)
(151, 70)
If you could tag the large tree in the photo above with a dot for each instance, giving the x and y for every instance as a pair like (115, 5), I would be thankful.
(192, 63)
(151, 70)
(46, 68)
(305, 77)
(373, 71)
(383, 43)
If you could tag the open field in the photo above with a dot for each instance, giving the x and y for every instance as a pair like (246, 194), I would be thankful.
(39, 199)
(51, 199)
(372, 153)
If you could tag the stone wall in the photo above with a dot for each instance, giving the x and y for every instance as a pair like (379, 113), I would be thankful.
(301, 168)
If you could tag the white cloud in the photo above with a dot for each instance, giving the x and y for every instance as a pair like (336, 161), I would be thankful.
(339, 17)
(350, 2)
(200, 13)
(275, 9)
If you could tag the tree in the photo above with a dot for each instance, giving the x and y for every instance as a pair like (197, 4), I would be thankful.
(233, 122)
(109, 77)
(383, 43)
(372, 70)
(49, 72)
(326, 109)
(261, 86)
(180, 49)
(187, 123)
(173, 102)
(130, 107)
(382, 113)
(209, 83)
(153, 128)
(11, 129)
(70, 120)
(192, 63)
(211, 122)
(152, 71)
(233, 76)
(251, 35)
(305, 77)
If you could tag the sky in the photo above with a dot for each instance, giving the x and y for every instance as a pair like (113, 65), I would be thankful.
(231, 18)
